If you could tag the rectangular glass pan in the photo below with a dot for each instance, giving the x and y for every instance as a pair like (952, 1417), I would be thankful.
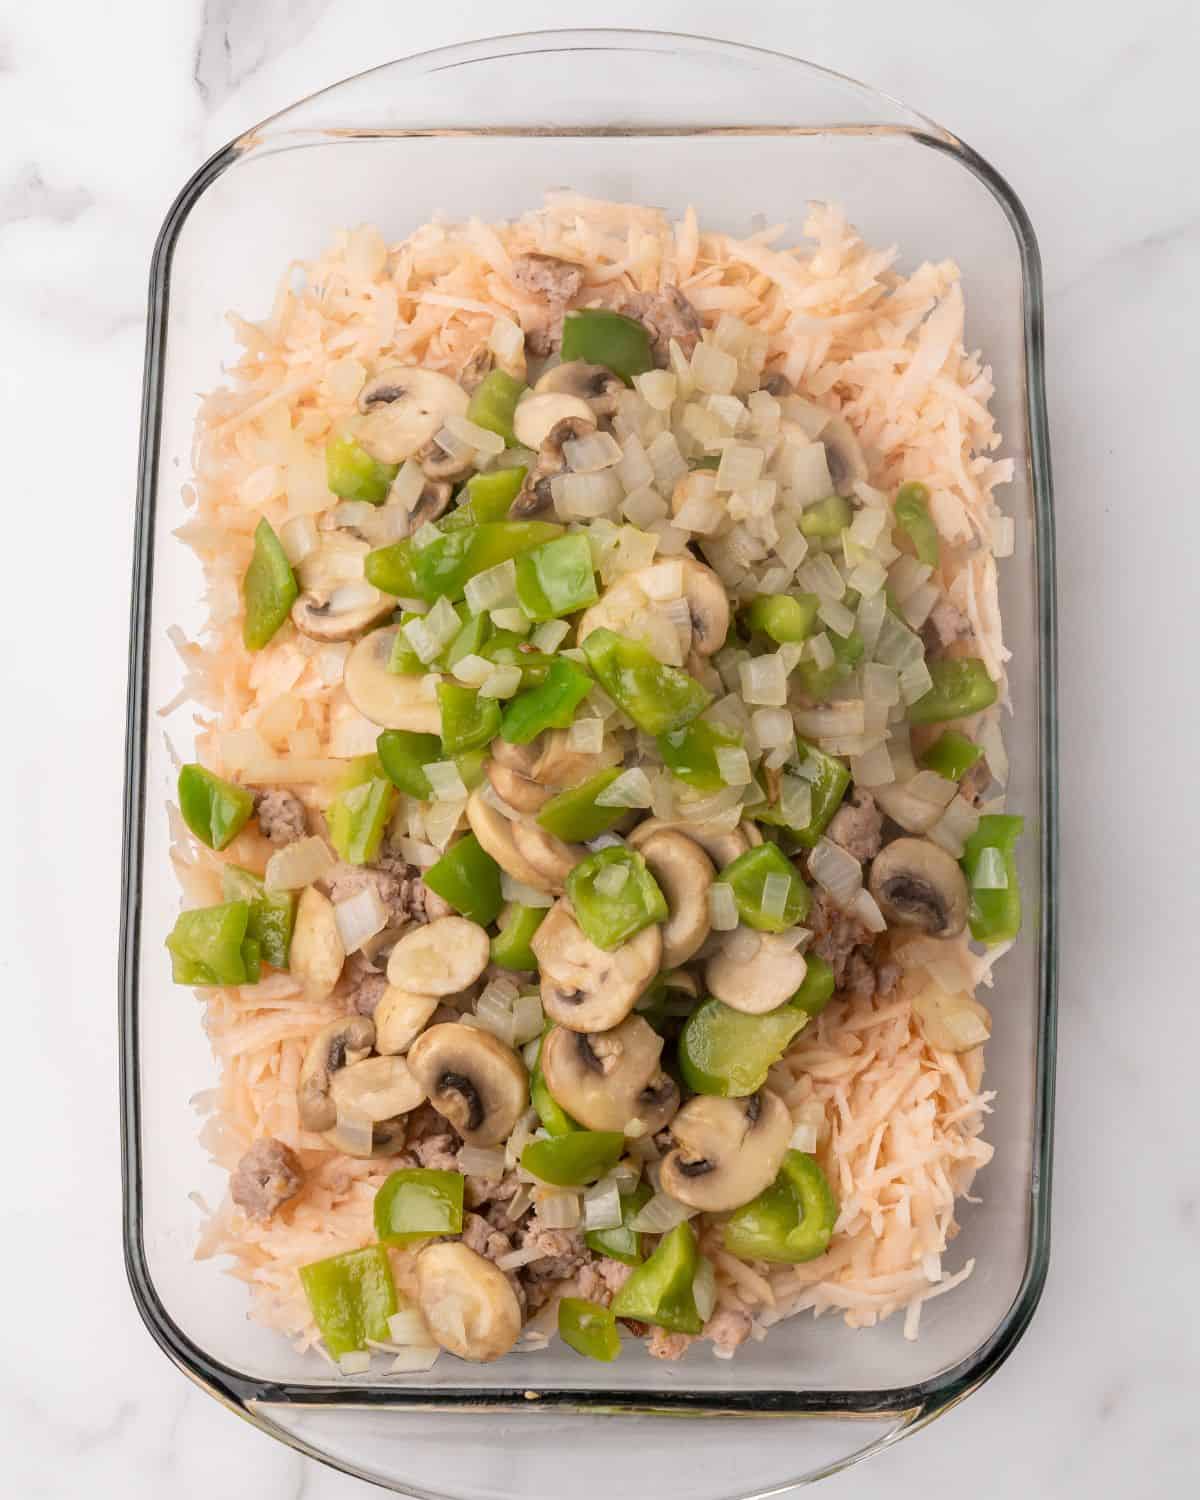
(485, 129)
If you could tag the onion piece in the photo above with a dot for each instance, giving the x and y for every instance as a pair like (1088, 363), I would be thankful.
(360, 917)
(408, 1329)
(299, 864)
(482, 1161)
(704, 1288)
(446, 782)
(602, 1206)
(355, 1362)
(630, 789)
(722, 907)
(836, 870)
(559, 1208)
(494, 588)
(660, 1214)
(415, 1361)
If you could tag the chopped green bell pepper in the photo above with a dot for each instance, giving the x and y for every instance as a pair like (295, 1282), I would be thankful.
(600, 337)
(510, 946)
(493, 403)
(508, 649)
(727, 1052)
(690, 753)
(660, 1291)
(588, 1328)
(550, 705)
(961, 687)
(404, 661)
(468, 721)
(469, 879)
(490, 495)
(791, 1221)
(995, 914)
(828, 777)
(747, 877)
(614, 896)
(574, 1158)
(359, 813)
(556, 578)
(817, 990)
(818, 682)
(416, 1203)
(826, 519)
(952, 755)
(208, 946)
(469, 641)
(574, 815)
(353, 474)
(272, 913)
(622, 1242)
(656, 697)
(216, 811)
(912, 513)
(352, 1296)
(549, 1111)
(404, 754)
(269, 588)
(786, 618)
(442, 568)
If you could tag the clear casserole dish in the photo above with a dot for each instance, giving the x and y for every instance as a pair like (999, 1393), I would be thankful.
(484, 129)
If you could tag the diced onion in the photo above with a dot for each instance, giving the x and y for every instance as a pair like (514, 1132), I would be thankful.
(795, 801)
(559, 1209)
(896, 645)
(662, 581)
(866, 909)
(634, 469)
(527, 1019)
(515, 1259)
(473, 670)
(660, 1214)
(481, 439)
(917, 608)
(415, 1361)
(740, 467)
(426, 535)
(775, 892)
(835, 869)
(644, 506)
(501, 682)
(722, 907)
(928, 786)
(833, 720)
(819, 575)
(702, 513)
(602, 1206)
(868, 576)
(512, 619)
(550, 635)
(804, 1137)
(330, 663)
(494, 588)
(955, 826)
(906, 576)
(442, 820)
(356, 1362)
(407, 1328)
(773, 727)
(668, 463)
(445, 781)
(506, 340)
(408, 485)
(630, 789)
(586, 736)
(657, 388)
(704, 1288)
(299, 864)
(713, 371)
(360, 917)
(915, 681)
(990, 740)
(874, 768)
(298, 538)
(733, 765)
(525, 895)
(951, 1021)
(353, 1132)
(581, 497)
(764, 680)
(820, 648)
(805, 471)
(592, 452)
(430, 634)
(482, 1161)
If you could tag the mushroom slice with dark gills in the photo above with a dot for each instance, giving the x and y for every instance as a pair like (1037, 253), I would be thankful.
(378, 1093)
(684, 872)
(546, 423)
(918, 884)
(595, 384)
(404, 407)
(390, 699)
(340, 613)
(585, 988)
(474, 1080)
(441, 958)
(605, 1079)
(843, 454)
(337, 1045)
(726, 1151)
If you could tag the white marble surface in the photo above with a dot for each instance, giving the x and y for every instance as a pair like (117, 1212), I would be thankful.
(1090, 112)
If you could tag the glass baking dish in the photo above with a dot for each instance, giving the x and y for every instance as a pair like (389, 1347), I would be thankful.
(485, 129)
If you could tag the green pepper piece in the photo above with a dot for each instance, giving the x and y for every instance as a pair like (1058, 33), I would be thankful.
(416, 1203)
(490, 495)
(216, 811)
(952, 755)
(827, 518)
(622, 1242)
(727, 1052)
(510, 946)
(819, 682)
(589, 1329)
(961, 687)
(600, 337)
(747, 877)
(352, 1296)
(817, 990)
(709, 461)
(469, 641)
(657, 698)
(471, 767)
(252, 959)
(791, 1221)
(614, 896)
(556, 578)
(575, 1158)
(469, 879)
(660, 1290)
(690, 753)
(828, 778)
(352, 473)
(493, 403)
(272, 913)
(912, 513)
(508, 649)
(442, 568)
(404, 754)
(359, 813)
(404, 661)
(269, 588)
(995, 913)
(549, 1111)
(550, 705)
(786, 618)
(468, 721)
(575, 816)
(206, 944)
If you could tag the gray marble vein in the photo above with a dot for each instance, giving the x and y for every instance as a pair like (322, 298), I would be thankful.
(239, 37)
(27, 195)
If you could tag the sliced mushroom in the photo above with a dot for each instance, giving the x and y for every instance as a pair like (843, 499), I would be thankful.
(471, 1078)
(629, 610)
(442, 465)
(341, 613)
(605, 1079)
(404, 406)
(537, 416)
(400, 1017)
(495, 834)
(583, 987)
(560, 764)
(317, 953)
(843, 454)
(684, 872)
(380, 1090)
(476, 368)
(708, 606)
(755, 971)
(518, 791)
(536, 496)
(722, 845)
(726, 1151)
(468, 1303)
(919, 885)
(433, 502)
(914, 814)
(550, 857)
(337, 1045)
(388, 698)
(595, 384)
(440, 958)
(701, 484)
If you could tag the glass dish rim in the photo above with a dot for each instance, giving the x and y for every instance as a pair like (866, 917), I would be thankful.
(915, 1404)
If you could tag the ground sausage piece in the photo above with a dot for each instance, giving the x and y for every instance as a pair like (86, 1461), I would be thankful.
(547, 276)
(366, 985)
(398, 885)
(858, 825)
(975, 783)
(666, 315)
(281, 816)
(439, 1152)
(945, 625)
(664, 1345)
(728, 1327)
(267, 1175)
(836, 937)
(478, 1235)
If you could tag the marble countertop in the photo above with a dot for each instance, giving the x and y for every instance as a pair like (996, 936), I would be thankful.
(1089, 111)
